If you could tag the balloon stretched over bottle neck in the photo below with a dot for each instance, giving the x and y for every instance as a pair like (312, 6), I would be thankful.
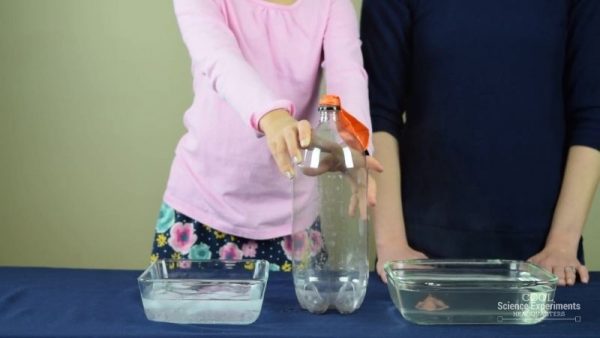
(351, 130)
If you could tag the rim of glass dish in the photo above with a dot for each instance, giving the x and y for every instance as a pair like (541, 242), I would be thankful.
(146, 271)
(548, 278)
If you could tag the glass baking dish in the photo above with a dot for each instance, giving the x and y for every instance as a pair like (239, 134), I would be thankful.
(428, 291)
(204, 292)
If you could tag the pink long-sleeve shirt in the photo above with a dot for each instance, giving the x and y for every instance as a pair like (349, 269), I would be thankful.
(248, 58)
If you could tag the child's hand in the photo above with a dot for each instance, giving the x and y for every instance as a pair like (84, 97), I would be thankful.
(561, 262)
(285, 138)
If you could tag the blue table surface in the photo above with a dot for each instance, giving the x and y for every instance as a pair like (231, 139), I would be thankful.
(106, 303)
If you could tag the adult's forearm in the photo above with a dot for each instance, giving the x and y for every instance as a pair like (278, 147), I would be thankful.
(580, 180)
(388, 217)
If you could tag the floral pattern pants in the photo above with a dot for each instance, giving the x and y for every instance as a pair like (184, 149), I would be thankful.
(181, 237)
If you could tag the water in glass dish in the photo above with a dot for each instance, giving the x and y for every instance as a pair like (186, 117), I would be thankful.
(475, 305)
(209, 303)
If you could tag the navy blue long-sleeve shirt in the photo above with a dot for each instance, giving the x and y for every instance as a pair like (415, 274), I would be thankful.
(495, 92)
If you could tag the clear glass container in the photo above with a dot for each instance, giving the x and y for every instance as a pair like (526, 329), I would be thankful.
(329, 239)
(428, 291)
(204, 292)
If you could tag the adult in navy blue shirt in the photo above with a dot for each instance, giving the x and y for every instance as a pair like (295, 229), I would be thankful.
(487, 119)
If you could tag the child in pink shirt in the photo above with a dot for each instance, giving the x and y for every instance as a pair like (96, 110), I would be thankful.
(256, 66)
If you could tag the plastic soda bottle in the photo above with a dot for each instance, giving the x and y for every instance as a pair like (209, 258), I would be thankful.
(329, 237)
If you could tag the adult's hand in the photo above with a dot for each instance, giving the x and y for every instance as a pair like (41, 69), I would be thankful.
(392, 252)
(562, 262)
(333, 157)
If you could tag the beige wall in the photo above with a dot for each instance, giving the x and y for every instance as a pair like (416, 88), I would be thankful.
(91, 101)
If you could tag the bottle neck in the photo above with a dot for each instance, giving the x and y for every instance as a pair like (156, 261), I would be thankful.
(328, 114)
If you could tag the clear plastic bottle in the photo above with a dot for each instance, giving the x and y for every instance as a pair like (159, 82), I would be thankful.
(329, 239)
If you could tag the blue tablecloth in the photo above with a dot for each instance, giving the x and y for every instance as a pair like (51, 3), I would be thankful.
(83, 303)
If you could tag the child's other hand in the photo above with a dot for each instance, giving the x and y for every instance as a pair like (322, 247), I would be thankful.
(285, 138)
(562, 262)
